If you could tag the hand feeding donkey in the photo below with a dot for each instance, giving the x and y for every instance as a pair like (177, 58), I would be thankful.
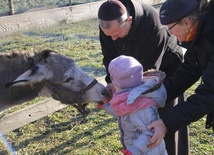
(24, 76)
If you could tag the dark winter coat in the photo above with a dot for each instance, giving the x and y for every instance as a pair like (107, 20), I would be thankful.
(199, 62)
(146, 40)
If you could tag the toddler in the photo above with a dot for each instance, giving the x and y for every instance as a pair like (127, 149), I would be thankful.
(135, 103)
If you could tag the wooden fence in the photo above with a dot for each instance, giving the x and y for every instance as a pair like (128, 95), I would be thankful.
(11, 25)
(11, 6)
(33, 21)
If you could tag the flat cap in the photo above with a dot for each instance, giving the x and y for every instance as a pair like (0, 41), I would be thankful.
(174, 10)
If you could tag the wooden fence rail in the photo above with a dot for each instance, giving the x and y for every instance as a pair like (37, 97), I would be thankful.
(11, 6)
(33, 21)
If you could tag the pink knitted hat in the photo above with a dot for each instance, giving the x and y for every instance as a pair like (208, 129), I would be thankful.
(126, 72)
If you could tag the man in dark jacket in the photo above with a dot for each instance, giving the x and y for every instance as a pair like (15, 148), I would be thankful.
(192, 22)
(132, 28)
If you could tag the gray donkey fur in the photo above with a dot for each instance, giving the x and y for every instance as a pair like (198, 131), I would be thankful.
(25, 75)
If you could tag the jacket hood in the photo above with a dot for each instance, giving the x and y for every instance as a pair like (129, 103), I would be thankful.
(137, 11)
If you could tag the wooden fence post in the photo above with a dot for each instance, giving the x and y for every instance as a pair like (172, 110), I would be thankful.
(70, 2)
(10, 2)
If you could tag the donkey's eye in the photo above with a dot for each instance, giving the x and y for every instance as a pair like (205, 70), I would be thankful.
(68, 79)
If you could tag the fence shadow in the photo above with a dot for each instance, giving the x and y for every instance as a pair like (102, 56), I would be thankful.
(66, 127)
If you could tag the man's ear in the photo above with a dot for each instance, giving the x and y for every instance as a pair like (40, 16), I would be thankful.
(188, 22)
(129, 19)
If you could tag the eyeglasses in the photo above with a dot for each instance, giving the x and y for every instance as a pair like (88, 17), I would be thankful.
(173, 25)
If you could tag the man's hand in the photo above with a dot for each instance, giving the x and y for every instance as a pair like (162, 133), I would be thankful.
(159, 132)
(110, 88)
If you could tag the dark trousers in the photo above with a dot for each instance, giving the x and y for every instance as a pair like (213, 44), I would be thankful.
(178, 143)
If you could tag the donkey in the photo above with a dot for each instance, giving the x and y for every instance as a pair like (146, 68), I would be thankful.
(25, 75)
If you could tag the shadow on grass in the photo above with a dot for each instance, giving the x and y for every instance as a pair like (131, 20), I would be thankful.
(81, 145)
(66, 126)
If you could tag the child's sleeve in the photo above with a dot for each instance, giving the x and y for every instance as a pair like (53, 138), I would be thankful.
(108, 109)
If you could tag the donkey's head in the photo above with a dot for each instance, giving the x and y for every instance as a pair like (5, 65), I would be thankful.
(61, 79)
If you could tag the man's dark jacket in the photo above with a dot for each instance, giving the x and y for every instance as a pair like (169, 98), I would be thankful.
(199, 62)
(145, 41)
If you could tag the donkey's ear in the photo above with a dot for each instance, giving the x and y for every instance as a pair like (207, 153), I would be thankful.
(46, 53)
(34, 75)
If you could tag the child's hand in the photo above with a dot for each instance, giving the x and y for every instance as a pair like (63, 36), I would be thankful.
(110, 88)
(126, 152)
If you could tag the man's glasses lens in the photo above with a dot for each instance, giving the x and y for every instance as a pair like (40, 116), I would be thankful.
(174, 25)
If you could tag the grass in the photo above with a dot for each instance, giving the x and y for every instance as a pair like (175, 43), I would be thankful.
(21, 6)
(66, 131)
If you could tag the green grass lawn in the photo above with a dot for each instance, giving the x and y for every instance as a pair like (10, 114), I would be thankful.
(66, 131)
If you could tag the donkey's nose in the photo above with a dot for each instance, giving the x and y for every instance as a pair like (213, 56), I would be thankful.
(55, 96)
(105, 93)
